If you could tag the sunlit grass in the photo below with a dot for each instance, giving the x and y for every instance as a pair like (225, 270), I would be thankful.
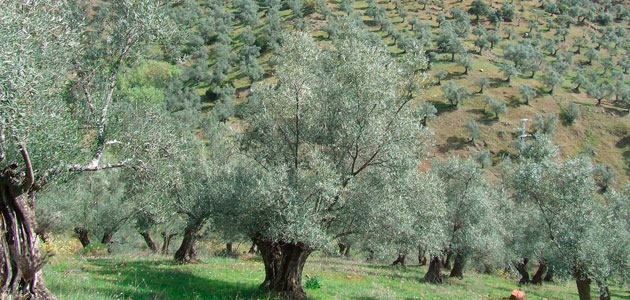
(224, 278)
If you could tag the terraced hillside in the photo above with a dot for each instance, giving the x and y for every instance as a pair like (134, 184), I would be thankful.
(562, 46)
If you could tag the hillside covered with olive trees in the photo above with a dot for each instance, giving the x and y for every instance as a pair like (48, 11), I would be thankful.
(291, 149)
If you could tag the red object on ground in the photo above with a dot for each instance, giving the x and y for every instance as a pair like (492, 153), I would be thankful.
(517, 295)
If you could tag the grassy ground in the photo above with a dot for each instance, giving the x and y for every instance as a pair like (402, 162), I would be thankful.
(225, 278)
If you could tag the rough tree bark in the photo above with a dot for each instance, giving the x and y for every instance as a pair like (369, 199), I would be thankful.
(149, 241)
(549, 275)
(284, 263)
(270, 253)
(186, 252)
(433, 273)
(107, 238)
(20, 258)
(521, 267)
(342, 247)
(458, 266)
(538, 276)
(400, 260)
(167, 241)
(584, 288)
(82, 234)
(288, 282)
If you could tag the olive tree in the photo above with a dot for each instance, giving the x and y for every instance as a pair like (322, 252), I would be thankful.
(571, 226)
(455, 94)
(44, 136)
(335, 127)
(472, 223)
(449, 42)
(249, 56)
(527, 92)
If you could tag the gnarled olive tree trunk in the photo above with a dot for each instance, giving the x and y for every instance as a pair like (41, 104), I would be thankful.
(400, 260)
(20, 258)
(270, 253)
(167, 241)
(521, 267)
(539, 275)
(186, 252)
(284, 263)
(433, 273)
(549, 275)
(584, 288)
(150, 243)
(82, 235)
(458, 266)
(107, 238)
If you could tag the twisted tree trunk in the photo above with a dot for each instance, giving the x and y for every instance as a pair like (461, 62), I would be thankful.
(149, 241)
(584, 288)
(167, 241)
(288, 282)
(433, 273)
(342, 247)
(284, 263)
(458, 266)
(521, 267)
(82, 234)
(186, 252)
(107, 238)
(538, 276)
(270, 252)
(549, 275)
(20, 258)
(400, 260)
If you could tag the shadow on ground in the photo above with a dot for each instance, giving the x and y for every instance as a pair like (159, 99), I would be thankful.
(163, 280)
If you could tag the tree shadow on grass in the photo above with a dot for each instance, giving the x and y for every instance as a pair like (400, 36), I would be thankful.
(513, 101)
(442, 107)
(497, 82)
(161, 280)
(623, 142)
(620, 294)
(453, 143)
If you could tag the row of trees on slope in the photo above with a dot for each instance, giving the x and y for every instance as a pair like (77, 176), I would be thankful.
(329, 149)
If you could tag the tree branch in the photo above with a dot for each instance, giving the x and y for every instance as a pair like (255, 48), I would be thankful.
(30, 177)
(91, 168)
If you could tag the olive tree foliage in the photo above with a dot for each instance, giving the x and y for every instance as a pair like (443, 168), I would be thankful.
(337, 123)
(94, 206)
(44, 135)
(448, 41)
(473, 225)
(455, 94)
(249, 56)
(566, 218)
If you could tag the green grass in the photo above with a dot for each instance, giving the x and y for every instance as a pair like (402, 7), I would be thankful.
(224, 278)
